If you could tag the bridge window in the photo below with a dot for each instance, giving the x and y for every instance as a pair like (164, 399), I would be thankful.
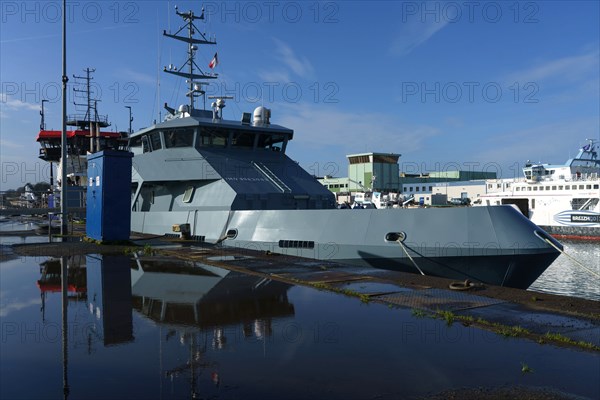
(213, 137)
(179, 137)
(188, 194)
(155, 141)
(243, 139)
(145, 144)
(271, 141)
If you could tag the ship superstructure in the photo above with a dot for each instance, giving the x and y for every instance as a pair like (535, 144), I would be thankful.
(85, 136)
(564, 199)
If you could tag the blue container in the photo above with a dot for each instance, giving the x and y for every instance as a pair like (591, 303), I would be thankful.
(108, 208)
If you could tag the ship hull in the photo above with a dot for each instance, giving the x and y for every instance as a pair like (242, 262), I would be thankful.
(494, 245)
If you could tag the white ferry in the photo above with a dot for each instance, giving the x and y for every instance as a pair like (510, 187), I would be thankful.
(564, 200)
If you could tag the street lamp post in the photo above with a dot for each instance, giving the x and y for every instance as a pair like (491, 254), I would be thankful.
(63, 136)
(130, 120)
(43, 121)
(42, 128)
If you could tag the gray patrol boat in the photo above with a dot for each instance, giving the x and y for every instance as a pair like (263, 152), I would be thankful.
(220, 181)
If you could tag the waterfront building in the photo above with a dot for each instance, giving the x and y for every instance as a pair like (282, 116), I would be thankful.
(380, 172)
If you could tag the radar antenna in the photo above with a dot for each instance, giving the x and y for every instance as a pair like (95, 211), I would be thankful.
(195, 88)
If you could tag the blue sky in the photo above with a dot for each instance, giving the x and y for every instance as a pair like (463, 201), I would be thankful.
(471, 85)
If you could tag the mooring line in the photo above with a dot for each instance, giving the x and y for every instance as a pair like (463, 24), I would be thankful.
(411, 259)
(572, 258)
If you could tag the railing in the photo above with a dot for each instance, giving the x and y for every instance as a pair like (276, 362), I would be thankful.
(592, 176)
(80, 119)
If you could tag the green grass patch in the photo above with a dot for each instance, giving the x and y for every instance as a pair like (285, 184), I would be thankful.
(526, 369)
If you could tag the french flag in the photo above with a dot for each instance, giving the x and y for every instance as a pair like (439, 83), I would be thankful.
(214, 62)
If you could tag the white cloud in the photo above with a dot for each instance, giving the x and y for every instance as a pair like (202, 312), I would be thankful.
(317, 125)
(572, 68)
(137, 77)
(280, 76)
(559, 81)
(9, 144)
(8, 308)
(551, 143)
(301, 66)
(16, 104)
(414, 34)
(290, 62)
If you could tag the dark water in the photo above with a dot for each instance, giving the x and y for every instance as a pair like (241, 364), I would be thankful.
(158, 329)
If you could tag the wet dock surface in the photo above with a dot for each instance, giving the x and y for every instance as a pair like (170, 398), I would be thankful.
(538, 313)
(201, 321)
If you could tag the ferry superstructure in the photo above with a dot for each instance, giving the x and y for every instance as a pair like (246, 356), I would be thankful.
(86, 137)
(231, 182)
(563, 199)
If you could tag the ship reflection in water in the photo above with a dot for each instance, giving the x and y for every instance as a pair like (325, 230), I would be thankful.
(206, 297)
(151, 328)
(193, 305)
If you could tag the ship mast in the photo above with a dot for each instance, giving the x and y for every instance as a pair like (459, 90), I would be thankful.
(195, 87)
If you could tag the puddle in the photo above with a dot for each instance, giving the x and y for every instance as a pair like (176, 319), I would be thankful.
(227, 258)
(540, 322)
(154, 328)
(371, 288)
